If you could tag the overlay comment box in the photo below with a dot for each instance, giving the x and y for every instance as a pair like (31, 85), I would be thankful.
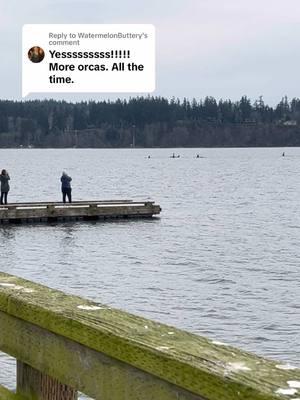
(88, 58)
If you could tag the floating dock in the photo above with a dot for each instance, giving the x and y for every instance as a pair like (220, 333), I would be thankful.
(78, 210)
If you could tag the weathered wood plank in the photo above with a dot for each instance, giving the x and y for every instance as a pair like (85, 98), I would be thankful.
(77, 202)
(91, 372)
(6, 394)
(193, 363)
(37, 385)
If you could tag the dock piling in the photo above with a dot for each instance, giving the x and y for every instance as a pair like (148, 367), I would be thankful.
(34, 384)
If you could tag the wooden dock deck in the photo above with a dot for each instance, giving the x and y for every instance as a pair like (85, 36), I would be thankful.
(77, 210)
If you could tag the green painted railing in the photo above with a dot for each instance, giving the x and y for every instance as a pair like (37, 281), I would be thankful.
(65, 343)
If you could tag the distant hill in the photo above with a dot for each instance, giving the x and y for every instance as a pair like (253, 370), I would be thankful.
(149, 122)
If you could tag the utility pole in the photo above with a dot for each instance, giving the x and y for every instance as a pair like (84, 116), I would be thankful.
(133, 136)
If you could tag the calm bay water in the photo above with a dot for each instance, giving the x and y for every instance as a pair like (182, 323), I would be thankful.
(223, 260)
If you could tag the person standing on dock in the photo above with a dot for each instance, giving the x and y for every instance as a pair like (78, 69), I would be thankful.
(66, 187)
(4, 178)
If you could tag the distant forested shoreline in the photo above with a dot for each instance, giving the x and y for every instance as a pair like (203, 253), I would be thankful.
(149, 122)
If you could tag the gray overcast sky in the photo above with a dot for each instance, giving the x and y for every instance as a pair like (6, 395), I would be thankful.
(221, 48)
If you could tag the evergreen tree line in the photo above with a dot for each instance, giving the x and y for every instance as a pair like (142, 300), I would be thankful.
(149, 121)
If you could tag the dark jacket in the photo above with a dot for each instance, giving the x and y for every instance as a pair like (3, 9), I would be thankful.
(4, 183)
(65, 182)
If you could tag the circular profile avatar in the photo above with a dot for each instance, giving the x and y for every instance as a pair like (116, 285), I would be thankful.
(36, 54)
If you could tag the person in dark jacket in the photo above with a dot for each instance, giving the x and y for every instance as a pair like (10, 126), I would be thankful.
(4, 178)
(66, 187)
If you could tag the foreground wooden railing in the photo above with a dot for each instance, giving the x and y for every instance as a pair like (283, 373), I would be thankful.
(65, 343)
